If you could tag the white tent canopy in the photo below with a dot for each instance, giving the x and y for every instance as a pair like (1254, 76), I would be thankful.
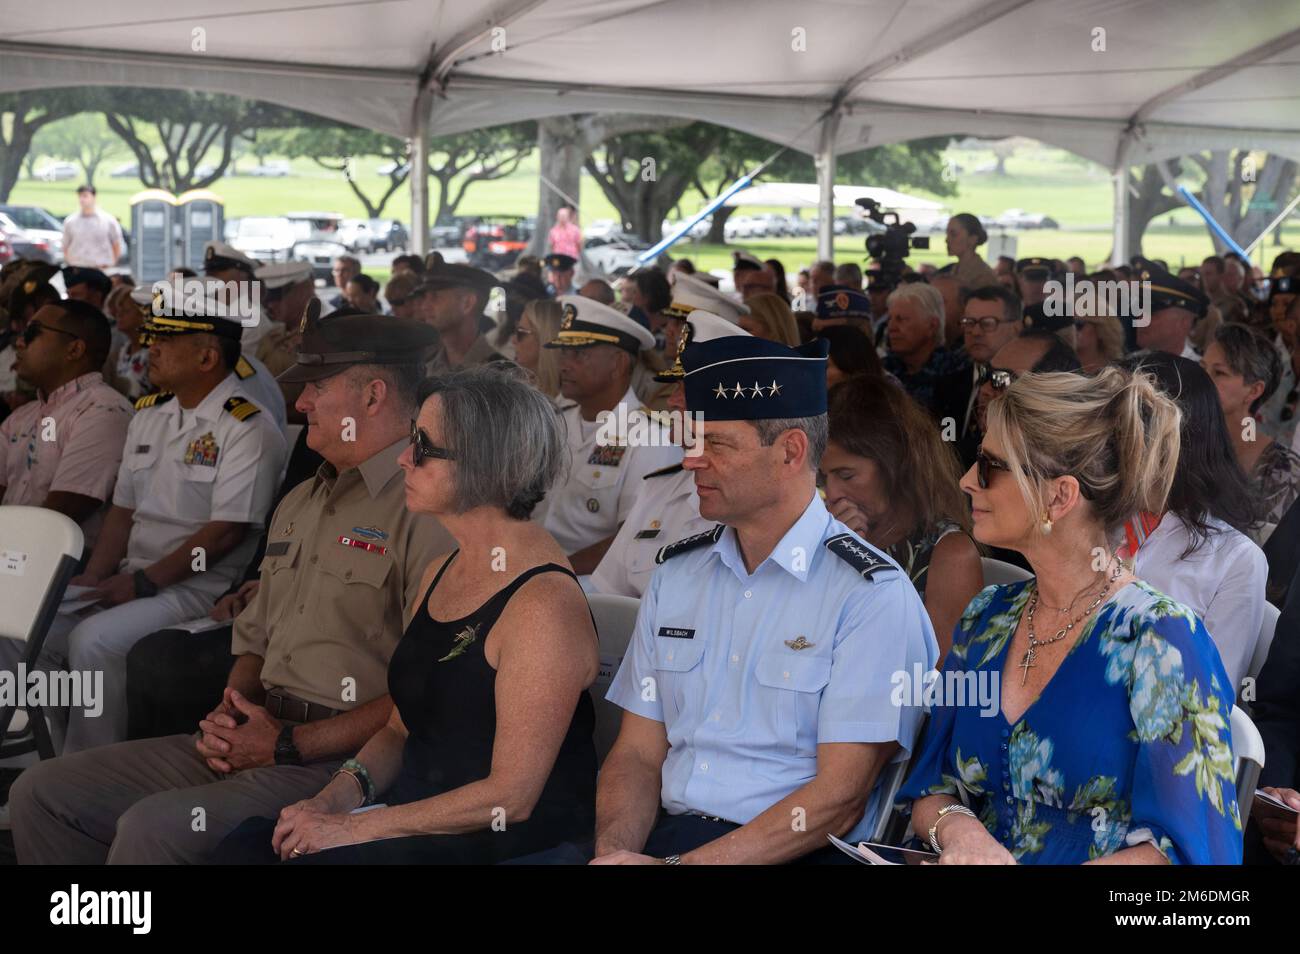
(806, 195)
(1116, 82)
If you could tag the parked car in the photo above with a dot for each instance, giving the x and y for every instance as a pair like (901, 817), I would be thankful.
(59, 172)
(24, 244)
(388, 235)
(320, 252)
(449, 230)
(40, 226)
(392, 167)
(356, 235)
(1020, 219)
(494, 242)
(275, 169)
(613, 254)
(127, 170)
(265, 238)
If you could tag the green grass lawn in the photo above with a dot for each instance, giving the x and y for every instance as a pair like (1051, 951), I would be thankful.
(1075, 192)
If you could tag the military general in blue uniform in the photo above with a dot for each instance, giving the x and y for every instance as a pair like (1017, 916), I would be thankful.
(757, 688)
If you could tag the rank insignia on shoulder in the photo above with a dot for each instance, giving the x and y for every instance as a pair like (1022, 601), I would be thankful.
(690, 543)
(242, 408)
(607, 455)
(153, 400)
(663, 471)
(847, 548)
(244, 370)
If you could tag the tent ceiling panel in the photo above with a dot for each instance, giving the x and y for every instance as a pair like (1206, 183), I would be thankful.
(908, 67)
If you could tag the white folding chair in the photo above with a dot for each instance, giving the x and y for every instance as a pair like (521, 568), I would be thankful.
(891, 824)
(615, 621)
(999, 572)
(39, 552)
(1265, 641)
(1248, 759)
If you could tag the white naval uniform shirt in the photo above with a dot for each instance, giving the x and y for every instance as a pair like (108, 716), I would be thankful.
(184, 468)
(667, 510)
(602, 482)
(263, 390)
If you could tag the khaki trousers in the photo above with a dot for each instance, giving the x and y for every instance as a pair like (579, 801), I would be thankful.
(153, 801)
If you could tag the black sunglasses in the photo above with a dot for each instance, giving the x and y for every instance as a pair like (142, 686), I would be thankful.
(34, 329)
(423, 449)
(983, 464)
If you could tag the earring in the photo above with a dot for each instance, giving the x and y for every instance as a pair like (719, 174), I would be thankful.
(1046, 525)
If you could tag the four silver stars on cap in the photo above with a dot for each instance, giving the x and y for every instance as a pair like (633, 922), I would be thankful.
(722, 391)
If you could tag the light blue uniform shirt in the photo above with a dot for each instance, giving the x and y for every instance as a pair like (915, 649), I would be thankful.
(744, 711)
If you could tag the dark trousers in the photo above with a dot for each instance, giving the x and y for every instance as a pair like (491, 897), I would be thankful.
(673, 835)
(250, 844)
(173, 679)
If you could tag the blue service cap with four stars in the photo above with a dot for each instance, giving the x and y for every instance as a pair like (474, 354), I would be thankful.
(746, 378)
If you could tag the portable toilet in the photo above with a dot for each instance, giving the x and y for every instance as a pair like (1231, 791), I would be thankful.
(153, 239)
(201, 215)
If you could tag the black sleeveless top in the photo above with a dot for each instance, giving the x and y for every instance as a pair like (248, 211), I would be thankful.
(444, 691)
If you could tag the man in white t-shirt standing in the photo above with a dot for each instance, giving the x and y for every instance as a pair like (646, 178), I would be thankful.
(91, 237)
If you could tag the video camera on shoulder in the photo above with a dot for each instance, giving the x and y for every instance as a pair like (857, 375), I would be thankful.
(891, 247)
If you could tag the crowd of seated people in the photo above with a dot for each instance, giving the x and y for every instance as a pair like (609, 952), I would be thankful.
(802, 482)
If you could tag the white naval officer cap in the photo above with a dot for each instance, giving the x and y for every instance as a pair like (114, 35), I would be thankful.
(691, 294)
(587, 322)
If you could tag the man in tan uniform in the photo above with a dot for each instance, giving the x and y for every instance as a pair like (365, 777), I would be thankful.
(452, 300)
(287, 287)
(342, 569)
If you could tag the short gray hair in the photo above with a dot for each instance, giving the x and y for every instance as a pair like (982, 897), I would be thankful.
(1250, 354)
(814, 428)
(403, 382)
(923, 295)
(505, 436)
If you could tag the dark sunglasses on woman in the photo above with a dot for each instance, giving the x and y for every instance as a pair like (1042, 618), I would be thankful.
(983, 464)
(423, 449)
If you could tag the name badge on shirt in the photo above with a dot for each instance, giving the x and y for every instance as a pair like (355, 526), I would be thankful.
(142, 448)
(647, 534)
(277, 549)
(676, 633)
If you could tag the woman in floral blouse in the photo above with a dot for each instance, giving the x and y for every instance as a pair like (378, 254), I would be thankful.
(1112, 743)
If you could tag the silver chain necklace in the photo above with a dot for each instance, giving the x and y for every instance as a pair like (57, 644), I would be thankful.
(1034, 642)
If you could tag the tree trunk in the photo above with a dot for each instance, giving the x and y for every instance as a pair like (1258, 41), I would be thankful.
(561, 150)
(718, 226)
(1149, 203)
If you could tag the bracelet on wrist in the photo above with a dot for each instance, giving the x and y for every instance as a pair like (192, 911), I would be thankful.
(359, 772)
(956, 809)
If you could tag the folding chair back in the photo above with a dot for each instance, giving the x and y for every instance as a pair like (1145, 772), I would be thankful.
(999, 572)
(1248, 759)
(39, 552)
(615, 622)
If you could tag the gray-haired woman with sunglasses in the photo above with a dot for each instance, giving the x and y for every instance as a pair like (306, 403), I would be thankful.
(489, 752)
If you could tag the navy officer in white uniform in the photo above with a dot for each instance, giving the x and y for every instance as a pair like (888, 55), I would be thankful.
(613, 440)
(667, 508)
(757, 686)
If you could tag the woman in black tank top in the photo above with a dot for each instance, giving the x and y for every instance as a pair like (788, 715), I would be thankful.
(488, 754)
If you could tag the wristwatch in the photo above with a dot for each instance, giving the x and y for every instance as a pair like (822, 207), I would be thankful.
(673, 860)
(286, 753)
(144, 587)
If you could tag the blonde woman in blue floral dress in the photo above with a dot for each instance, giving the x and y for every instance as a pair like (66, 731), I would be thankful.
(1111, 743)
